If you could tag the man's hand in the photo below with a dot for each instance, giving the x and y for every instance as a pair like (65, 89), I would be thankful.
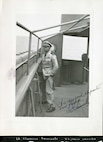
(46, 77)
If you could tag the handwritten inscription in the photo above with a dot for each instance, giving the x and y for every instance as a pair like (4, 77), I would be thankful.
(72, 104)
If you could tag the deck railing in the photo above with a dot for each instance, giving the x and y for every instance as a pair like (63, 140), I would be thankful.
(29, 48)
(24, 82)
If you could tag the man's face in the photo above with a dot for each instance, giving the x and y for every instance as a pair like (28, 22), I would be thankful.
(46, 47)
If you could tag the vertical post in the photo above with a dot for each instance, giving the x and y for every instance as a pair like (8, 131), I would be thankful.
(41, 51)
(37, 50)
(85, 62)
(32, 101)
(88, 47)
(29, 53)
(87, 57)
(87, 71)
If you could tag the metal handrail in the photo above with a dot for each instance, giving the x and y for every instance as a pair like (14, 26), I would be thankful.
(31, 33)
(24, 84)
(23, 27)
(22, 52)
(24, 62)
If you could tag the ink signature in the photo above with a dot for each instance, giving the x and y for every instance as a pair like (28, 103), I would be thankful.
(72, 104)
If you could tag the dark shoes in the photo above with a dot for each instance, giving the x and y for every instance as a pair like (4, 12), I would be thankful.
(51, 109)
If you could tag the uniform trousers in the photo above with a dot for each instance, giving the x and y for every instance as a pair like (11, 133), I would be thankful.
(50, 90)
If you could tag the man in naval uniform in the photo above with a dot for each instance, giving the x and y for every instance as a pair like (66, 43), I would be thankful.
(49, 68)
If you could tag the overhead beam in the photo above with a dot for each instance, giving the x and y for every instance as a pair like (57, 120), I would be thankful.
(63, 24)
(83, 17)
(72, 29)
(61, 32)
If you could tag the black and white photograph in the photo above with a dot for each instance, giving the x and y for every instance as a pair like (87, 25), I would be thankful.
(52, 65)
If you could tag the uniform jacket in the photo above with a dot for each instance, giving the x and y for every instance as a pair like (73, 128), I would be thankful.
(49, 64)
